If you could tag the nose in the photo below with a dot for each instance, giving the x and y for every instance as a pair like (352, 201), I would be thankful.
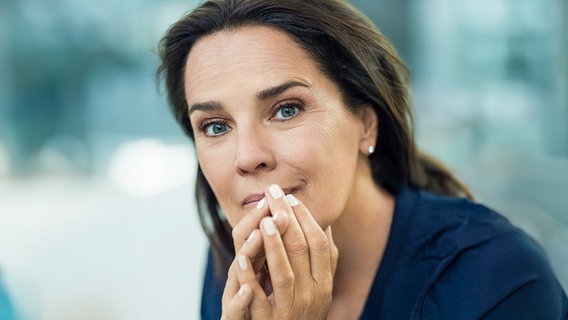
(254, 151)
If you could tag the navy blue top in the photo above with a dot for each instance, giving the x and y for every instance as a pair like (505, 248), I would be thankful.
(449, 258)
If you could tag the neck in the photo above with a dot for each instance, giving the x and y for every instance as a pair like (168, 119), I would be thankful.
(361, 235)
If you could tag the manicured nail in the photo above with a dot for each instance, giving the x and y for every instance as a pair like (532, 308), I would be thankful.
(275, 216)
(269, 227)
(292, 201)
(242, 262)
(275, 191)
(241, 291)
(260, 204)
(251, 236)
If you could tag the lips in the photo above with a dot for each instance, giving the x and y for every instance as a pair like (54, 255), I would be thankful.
(252, 199)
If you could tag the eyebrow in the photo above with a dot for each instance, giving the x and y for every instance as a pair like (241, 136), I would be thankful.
(262, 95)
(274, 91)
(205, 106)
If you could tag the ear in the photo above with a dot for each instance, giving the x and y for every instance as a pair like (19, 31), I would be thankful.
(370, 132)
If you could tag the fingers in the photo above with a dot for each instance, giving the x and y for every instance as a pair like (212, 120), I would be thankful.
(282, 276)
(292, 234)
(251, 248)
(275, 203)
(231, 287)
(242, 230)
(300, 256)
(307, 245)
(258, 305)
(318, 244)
(246, 229)
(247, 224)
(237, 308)
(301, 259)
(333, 251)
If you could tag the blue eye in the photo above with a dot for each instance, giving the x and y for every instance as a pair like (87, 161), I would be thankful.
(287, 111)
(215, 129)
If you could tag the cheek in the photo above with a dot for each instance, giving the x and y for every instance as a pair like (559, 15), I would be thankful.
(217, 169)
(329, 161)
(211, 165)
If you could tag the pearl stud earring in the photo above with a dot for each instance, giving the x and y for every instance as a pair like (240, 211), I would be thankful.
(371, 150)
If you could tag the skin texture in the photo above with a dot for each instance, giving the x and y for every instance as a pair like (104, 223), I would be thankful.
(267, 122)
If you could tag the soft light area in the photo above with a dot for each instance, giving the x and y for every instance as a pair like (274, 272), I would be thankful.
(148, 167)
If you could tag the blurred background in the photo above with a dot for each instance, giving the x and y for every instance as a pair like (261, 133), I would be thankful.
(97, 219)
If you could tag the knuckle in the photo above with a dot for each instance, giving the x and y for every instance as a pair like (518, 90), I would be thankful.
(325, 288)
(322, 278)
(297, 247)
(320, 244)
(256, 307)
(283, 279)
(235, 308)
(236, 233)
(231, 274)
(334, 253)
(303, 300)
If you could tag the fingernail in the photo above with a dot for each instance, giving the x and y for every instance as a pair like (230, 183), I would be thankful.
(275, 191)
(260, 204)
(242, 262)
(241, 291)
(269, 227)
(292, 201)
(251, 236)
(275, 216)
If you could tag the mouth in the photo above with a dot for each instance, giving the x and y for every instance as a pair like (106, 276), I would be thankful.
(253, 199)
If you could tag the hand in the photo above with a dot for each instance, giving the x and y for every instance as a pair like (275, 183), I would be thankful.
(301, 261)
(247, 229)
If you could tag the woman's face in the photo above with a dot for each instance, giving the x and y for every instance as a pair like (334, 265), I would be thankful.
(263, 114)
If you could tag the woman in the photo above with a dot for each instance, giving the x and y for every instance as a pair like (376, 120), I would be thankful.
(310, 187)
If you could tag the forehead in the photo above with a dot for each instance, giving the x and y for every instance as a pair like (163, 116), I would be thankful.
(250, 57)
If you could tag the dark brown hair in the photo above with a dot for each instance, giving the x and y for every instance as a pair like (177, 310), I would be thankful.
(351, 52)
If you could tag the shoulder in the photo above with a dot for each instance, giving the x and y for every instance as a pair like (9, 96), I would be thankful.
(437, 225)
(486, 268)
(503, 278)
